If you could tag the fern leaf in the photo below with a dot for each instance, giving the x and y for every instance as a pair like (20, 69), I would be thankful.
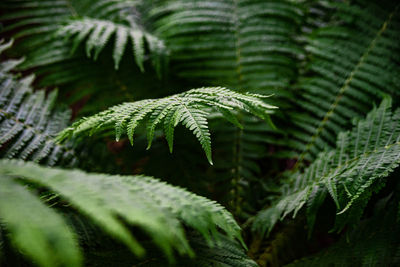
(29, 122)
(238, 44)
(100, 31)
(189, 108)
(47, 242)
(337, 86)
(350, 174)
(159, 209)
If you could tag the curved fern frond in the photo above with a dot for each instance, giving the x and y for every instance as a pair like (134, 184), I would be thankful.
(99, 32)
(354, 61)
(350, 173)
(29, 121)
(189, 108)
(102, 19)
(110, 202)
(241, 44)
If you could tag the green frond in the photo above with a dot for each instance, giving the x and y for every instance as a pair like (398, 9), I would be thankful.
(189, 108)
(350, 174)
(29, 121)
(99, 32)
(34, 26)
(110, 201)
(47, 242)
(229, 253)
(353, 62)
(235, 43)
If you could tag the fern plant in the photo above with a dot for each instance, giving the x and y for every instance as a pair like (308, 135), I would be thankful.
(326, 161)
(141, 201)
(350, 174)
(30, 121)
(189, 108)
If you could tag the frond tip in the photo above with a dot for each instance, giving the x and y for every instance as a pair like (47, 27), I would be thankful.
(111, 202)
(189, 108)
(101, 31)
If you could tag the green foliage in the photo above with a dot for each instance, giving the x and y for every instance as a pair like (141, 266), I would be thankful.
(353, 62)
(373, 243)
(247, 45)
(189, 108)
(350, 174)
(328, 64)
(100, 31)
(29, 121)
(39, 24)
(110, 201)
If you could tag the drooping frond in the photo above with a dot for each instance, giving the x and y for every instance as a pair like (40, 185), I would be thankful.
(246, 45)
(111, 202)
(350, 174)
(34, 26)
(353, 61)
(29, 121)
(99, 32)
(101, 19)
(189, 108)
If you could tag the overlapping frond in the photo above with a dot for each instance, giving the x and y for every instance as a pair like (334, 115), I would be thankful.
(29, 121)
(353, 61)
(98, 33)
(39, 21)
(350, 173)
(189, 108)
(34, 26)
(110, 201)
(241, 44)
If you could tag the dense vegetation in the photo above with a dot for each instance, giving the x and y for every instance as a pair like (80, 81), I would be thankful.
(293, 158)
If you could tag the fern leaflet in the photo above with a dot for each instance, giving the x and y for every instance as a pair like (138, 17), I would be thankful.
(189, 108)
(350, 173)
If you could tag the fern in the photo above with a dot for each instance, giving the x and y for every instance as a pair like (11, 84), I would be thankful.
(189, 108)
(154, 206)
(350, 174)
(29, 121)
(103, 18)
(352, 59)
(246, 45)
(100, 31)
(240, 44)
(34, 26)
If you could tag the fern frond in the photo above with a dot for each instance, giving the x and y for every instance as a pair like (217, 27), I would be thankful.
(29, 121)
(48, 241)
(189, 108)
(353, 62)
(34, 26)
(157, 208)
(99, 32)
(228, 253)
(350, 174)
(239, 44)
